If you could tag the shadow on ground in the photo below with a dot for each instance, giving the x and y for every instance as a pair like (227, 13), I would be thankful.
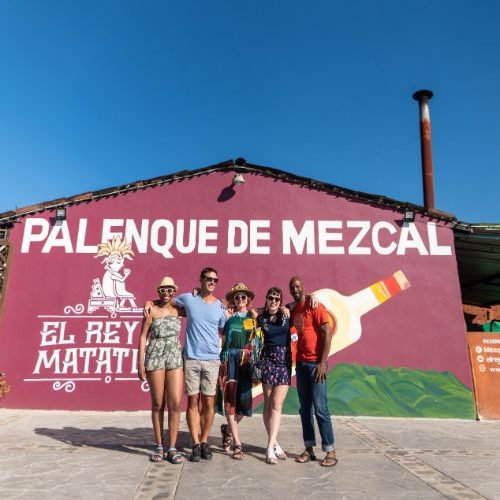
(135, 441)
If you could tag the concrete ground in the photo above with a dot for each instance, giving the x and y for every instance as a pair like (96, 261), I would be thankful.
(81, 455)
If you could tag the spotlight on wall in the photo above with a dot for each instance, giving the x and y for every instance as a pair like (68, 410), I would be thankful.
(409, 216)
(60, 215)
(238, 179)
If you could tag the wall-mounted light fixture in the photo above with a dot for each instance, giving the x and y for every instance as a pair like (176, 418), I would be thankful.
(238, 179)
(409, 216)
(60, 216)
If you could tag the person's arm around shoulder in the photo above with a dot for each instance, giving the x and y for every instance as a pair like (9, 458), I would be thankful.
(148, 307)
(182, 299)
(224, 316)
(313, 300)
(181, 312)
(146, 324)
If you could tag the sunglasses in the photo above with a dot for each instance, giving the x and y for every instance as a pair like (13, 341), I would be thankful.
(273, 298)
(240, 297)
(166, 289)
(209, 278)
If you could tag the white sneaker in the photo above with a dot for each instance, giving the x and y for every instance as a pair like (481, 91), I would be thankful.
(271, 457)
(278, 451)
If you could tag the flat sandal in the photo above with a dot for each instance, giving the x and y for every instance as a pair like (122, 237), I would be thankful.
(237, 452)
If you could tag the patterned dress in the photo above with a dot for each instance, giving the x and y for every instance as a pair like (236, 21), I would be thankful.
(235, 382)
(277, 355)
(164, 350)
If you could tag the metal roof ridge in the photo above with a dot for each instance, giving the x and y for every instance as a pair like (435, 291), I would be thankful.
(11, 216)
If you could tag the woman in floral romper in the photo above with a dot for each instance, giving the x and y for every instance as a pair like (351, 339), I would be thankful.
(161, 366)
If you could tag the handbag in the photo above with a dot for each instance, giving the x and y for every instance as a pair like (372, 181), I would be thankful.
(256, 357)
(256, 371)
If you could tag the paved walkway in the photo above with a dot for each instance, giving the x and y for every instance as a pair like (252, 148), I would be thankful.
(81, 455)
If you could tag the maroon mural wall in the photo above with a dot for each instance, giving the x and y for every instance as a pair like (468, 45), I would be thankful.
(68, 342)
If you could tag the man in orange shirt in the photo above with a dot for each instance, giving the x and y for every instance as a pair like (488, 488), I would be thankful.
(314, 338)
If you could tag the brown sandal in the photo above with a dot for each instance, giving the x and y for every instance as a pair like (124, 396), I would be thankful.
(330, 460)
(237, 452)
(305, 457)
(226, 438)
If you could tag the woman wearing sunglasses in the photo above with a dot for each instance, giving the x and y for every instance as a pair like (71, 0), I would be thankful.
(161, 366)
(276, 368)
(235, 379)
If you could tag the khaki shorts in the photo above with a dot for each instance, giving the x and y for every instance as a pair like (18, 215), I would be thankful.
(201, 376)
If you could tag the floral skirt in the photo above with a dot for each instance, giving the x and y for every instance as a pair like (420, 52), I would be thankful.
(277, 365)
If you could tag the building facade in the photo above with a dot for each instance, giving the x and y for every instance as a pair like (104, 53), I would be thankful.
(74, 290)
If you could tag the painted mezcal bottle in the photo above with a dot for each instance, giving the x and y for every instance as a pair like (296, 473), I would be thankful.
(348, 310)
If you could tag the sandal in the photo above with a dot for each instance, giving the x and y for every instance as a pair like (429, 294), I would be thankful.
(157, 455)
(271, 457)
(305, 456)
(278, 451)
(237, 452)
(226, 438)
(173, 456)
(330, 460)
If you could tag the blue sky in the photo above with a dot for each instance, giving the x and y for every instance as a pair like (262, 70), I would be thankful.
(96, 94)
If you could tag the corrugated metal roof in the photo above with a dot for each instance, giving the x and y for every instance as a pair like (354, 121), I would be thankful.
(478, 257)
(229, 165)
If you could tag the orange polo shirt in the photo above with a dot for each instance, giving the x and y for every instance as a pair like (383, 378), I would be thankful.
(308, 323)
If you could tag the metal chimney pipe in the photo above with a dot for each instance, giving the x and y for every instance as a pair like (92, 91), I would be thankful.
(423, 96)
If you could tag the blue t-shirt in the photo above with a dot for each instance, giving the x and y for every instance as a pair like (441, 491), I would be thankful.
(203, 323)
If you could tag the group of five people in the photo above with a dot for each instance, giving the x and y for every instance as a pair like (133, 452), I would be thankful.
(208, 368)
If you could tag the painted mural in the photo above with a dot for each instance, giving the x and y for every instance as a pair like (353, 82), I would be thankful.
(73, 307)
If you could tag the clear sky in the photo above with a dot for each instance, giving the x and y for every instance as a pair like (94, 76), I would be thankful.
(97, 93)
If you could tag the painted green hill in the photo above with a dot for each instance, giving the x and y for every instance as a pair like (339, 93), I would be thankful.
(392, 392)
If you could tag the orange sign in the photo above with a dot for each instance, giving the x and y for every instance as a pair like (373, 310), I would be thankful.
(484, 351)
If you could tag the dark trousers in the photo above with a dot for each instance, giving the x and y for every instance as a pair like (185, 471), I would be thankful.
(313, 395)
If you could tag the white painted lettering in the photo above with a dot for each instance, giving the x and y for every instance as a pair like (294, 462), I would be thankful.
(139, 239)
(256, 236)
(163, 248)
(70, 361)
(30, 236)
(325, 236)
(47, 363)
(434, 247)
(237, 228)
(107, 229)
(59, 237)
(299, 240)
(205, 236)
(354, 247)
(130, 327)
(179, 240)
(410, 238)
(81, 247)
(377, 246)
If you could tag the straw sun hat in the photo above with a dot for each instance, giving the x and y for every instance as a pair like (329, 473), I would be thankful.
(167, 281)
(239, 288)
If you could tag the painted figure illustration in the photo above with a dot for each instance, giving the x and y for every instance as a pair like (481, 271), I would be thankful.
(112, 293)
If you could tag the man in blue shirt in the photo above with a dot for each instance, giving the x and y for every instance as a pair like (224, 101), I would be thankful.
(206, 315)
